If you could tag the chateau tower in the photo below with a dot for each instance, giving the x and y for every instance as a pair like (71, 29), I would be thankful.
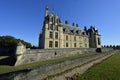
(50, 36)
(94, 38)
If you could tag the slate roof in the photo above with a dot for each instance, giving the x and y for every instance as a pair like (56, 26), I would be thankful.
(72, 29)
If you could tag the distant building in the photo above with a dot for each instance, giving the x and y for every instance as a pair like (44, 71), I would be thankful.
(55, 34)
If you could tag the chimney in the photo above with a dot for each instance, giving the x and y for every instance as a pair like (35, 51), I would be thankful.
(66, 22)
(73, 24)
(85, 28)
(46, 11)
(76, 25)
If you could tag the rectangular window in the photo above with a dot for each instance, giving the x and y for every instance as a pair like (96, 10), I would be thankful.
(74, 44)
(67, 38)
(66, 44)
(74, 38)
(51, 35)
(50, 43)
(98, 41)
(56, 43)
(56, 35)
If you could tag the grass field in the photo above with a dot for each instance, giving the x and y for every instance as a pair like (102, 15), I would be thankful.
(107, 70)
(7, 69)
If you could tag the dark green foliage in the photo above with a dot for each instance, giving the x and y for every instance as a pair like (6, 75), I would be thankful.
(112, 46)
(10, 41)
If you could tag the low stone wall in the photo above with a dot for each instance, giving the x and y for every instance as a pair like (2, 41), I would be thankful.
(107, 50)
(47, 54)
(44, 71)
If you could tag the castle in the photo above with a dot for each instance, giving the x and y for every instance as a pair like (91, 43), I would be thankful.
(55, 34)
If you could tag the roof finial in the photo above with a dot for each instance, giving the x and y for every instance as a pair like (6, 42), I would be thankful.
(46, 11)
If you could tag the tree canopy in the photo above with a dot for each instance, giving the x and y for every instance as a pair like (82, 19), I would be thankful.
(10, 41)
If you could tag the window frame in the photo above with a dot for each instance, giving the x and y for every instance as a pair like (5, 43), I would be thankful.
(50, 44)
(74, 44)
(56, 35)
(50, 34)
(66, 37)
(74, 38)
(99, 41)
(67, 45)
(56, 43)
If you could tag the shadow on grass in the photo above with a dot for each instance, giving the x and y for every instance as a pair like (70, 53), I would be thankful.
(8, 61)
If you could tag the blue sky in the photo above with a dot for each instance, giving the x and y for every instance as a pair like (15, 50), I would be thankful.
(24, 18)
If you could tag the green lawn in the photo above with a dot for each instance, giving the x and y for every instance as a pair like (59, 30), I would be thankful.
(107, 70)
(6, 69)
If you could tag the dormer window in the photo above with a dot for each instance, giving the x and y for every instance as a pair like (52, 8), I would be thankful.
(56, 28)
(51, 27)
(77, 32)
(64, 30)
(72, 31)
(83, 33)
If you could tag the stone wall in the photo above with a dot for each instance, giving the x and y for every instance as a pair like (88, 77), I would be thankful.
(47, 54)
(44, 71)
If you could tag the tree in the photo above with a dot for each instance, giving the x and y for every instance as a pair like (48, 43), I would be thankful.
(110, 46)
(10, 41)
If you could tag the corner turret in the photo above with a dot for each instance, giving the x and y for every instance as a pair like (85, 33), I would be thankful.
(94, 37)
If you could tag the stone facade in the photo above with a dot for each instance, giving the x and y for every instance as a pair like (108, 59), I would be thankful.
(55, 34)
